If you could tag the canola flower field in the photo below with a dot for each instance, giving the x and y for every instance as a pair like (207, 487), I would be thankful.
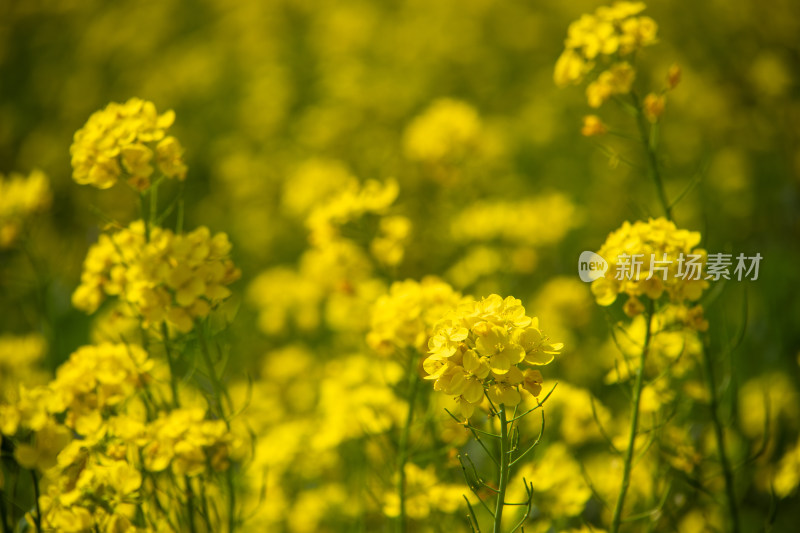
(399, 266)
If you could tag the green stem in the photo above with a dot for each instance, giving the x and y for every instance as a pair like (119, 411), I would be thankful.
(142, 212)
(173, 376)
(212, 374)
(505, 469)
(730, 492)
(637, 393)
(190, 504)
(3, 515)
(153, 205)
(179, 221)
(38, 520)
(218, 392)
(652, 160)
(231, 500)
(402, 451)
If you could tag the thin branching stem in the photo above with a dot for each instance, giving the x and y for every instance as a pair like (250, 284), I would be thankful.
(173, 374)
(179, 217)
(38, 520)
(218, 390)
(190, 504)
(475, 474)
(473, 520)
(528, 506)
(600, 428)
(470, 427)
(651, 512)
(637, 392)
(402, 451)
(477, 439)
(505, 468)
(472, 485)
(652, 160)
(538, 405)
(153, 205)
(532, 446)
(719, 432)
(142, 212)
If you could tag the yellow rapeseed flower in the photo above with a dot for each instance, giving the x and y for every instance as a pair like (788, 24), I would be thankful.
(650, 259)
(609, 34)
(175, 278)
(480, 346)
(405, 317)
(20, 198)
(124, 139)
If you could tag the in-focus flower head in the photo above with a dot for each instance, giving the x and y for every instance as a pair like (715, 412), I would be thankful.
(126, 140)
(484, 346)
(650, 259)
(172, 277)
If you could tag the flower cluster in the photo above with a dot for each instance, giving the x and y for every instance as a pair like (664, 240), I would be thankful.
(606, 37)
(405, 317)
(171, 277)
(184, 441)
(663, 249)
(126, 139)
(88, 388)
(99, 428)
(608, 34)
(20, 198)
(95, 380)
(88, 488)
(480, 347)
